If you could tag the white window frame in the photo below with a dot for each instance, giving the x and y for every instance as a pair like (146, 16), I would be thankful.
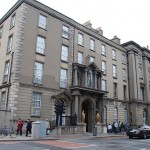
(42, 21)
(114, 71)
(124, 59)
(104, 67)
(6, 72)
(64, 53)
(91, 59)
(124, 74)
(36, 104)
(90, 79)
(3, 101)
(103, 85)
(113, 54)
(1, 31)
(9, 46)
(40, 46)
(80, 57)
(140, 72)
(12, 23)
(115, 90)
(65, 32)
(92, 44)
(38, 72)
(103, 50)
(139, 59)
(63, 78)
(80, 39)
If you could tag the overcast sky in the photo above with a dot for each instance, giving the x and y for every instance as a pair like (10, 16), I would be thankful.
(128, 19)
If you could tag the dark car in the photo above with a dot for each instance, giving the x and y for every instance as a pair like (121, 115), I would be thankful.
(142, 131)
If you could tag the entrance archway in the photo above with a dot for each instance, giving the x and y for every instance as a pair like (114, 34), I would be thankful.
(87, 107)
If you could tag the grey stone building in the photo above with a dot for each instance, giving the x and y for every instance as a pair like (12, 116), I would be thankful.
(46, 56)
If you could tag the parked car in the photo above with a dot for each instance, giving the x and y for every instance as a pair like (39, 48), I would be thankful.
(142, 131)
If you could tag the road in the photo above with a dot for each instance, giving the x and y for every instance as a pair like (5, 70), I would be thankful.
(108, 143)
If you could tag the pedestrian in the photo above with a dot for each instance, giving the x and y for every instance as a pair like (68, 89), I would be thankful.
(47, 127)
(122, 128)
(28, 127)
(19, 126)
(116, 127)
(109, 128)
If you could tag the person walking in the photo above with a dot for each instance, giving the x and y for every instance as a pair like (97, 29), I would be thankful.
(28, 127)
(47, 127)
(19, 126)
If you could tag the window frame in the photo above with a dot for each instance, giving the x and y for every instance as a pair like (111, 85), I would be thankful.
(115, 90)
(92, 44)
(65, 33)
(104, 67)
(114, 54)
(42, 23)
(9, 44)
(1, 31)
(80, 58)
(13, 20)
(64, 50)
(104, 85)
(6, 71)
(103, 52)
(80, 39)
(91, 59)
(114, 71)
(3, 101)
(40, 50)
(63, 78)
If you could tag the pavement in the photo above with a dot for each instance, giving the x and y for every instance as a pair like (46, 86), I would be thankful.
(60, 137)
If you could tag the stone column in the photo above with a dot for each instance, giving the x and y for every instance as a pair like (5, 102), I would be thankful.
(76, 104)
(95, 77)
(99, 82)
(75, 75)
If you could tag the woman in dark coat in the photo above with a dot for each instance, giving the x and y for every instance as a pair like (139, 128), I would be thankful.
(28, 127)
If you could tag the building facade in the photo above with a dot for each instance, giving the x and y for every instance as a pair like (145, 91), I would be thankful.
(46, 56)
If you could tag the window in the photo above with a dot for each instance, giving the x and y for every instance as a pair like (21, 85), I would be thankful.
(1, 31)
(6, 72)
(105, 115)
(40, 46)
(90, 79)
(124, 58)
(92, 59)
(92, 44)
(124, 77)
(42, 21)
(124, 91)
(139, 59)
(65, 32)
(36, 104)
(80, 58)
(103, 85)
(104, 67)
(125, 116)
(63, 78)
(116, 115)
(140, 72)
(12, 23)
(115, 94)
(80, 39)
(38, 73)
(141, 94)
(64, 53)
(114, 71)
(9, 46)
(114, 54)
(103, 50)
(3, 101)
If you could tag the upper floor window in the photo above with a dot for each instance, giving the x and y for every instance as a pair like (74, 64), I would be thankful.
(3, 101)
(141, 93)
(124, 58)
(6, 72)
(80, 39)
(103, 85)
(80, 58)
(124, 76)
(140, 72)
(9, 46)
(104, 67)
(115, 93)
(115, 71)
(124, 91)
(90, 79)
(65, 32)
(12, 23)
(64, 53)
(114, 54)
(140, 59)
(40, 46)
(1, 31)
(42, 21)
(92, 59)
(36, 104)
(103, 50)
(38, 72)
(92, 44)
(63, 78)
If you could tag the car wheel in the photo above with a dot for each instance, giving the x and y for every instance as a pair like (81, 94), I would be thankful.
(130, 137)
(144, 136)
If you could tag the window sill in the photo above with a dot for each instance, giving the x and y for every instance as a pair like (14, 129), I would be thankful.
(81, 45)
(65, 38)
(42, 28)
(64, 61)
(40, 54)
(103, 55)
(115, 77)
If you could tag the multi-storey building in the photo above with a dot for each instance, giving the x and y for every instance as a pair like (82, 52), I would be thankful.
(46, 56)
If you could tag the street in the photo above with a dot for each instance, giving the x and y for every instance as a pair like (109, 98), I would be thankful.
(95, 143)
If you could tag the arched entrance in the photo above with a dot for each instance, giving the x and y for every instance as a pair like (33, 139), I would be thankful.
(87, 107)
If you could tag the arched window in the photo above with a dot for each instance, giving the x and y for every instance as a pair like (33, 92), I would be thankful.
(116, 114)
(125, 116)
(105, 115)
(144, 116)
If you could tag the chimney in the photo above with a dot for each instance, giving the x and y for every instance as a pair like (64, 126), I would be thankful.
(88, 24)
(116, 39)
(99, 31)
